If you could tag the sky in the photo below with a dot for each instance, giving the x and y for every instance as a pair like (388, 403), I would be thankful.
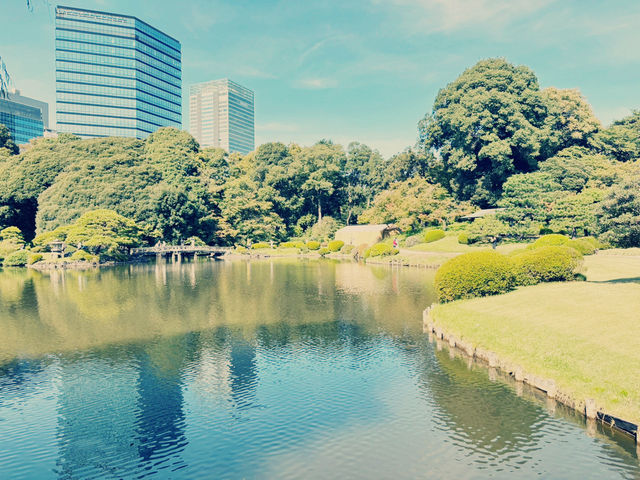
(358, 70)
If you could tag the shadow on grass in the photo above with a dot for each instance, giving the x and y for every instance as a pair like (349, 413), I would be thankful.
(618, 280)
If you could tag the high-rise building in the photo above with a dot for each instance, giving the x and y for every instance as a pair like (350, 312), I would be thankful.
(221, 115)
(25, 117)
(115, 75)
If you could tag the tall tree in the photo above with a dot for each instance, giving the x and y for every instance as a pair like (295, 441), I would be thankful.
(7, 142)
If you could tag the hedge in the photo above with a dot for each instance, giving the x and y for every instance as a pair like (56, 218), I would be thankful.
(553, 239)
(463, 238)
(474, 274)
(82, 256)
(313, 245)
(546, 264)
(335, 245)
(323, 251)
(259, 245)
(34, 258)
(433, 235)
(16, 259)
(287, 245)
(585, 247)
(380, 250)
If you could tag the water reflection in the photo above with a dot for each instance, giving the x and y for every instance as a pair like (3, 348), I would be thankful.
(263, 369)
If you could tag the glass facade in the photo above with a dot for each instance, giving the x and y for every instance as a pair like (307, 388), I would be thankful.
(23, 121)
(115, 75)
(221, 115)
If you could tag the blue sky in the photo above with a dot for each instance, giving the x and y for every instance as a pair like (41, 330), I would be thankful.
(364, 70)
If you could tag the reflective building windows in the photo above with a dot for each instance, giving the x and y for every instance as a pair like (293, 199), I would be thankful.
(115, 75)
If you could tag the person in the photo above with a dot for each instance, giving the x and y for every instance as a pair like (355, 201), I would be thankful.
(395, 242)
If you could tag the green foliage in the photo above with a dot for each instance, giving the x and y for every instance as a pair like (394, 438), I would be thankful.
(347, 249)
(7, 247)
(83, 256)
(324, 230)
(414, 204)
(260, 246)
(621, 140)
(335, 245)
(546, 264)
(380, 250)
(474, 274)
(323, 251)
(434, 235)
(553, 239)
(197, 241)
(313, 245)
(6, 141)
(34, 258)
(463, 238)
(582, 246)
(620, 215)
(287, 245)
(16, 259)
(11, 234)
(489, 228)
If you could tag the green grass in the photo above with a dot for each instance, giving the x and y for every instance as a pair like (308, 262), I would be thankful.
(584, 335)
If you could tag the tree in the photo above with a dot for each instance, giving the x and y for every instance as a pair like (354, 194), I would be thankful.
(620, 215)
(6, 141)
(484, 127)
(11, 234)
(361, 179)
(621, 140)
(414, 204)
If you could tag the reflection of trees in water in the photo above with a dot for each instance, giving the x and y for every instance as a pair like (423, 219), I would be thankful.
(479, 414)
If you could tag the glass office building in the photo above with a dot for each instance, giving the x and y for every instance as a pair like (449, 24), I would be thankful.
(25, 117)
(221, 115)
(115, 75)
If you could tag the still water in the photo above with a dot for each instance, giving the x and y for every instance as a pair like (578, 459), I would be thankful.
(262, 370)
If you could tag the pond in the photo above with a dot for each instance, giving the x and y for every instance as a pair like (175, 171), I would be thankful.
(265, 369)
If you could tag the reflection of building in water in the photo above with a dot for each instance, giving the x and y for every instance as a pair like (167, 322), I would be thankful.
(354, 277)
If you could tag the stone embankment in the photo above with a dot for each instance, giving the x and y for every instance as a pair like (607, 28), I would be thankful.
(586, 407)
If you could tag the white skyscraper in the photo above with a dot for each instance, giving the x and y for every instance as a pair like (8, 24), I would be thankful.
(221, 115)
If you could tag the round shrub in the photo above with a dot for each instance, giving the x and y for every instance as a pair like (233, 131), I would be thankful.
(463, 238)
(260, 245)
(597, 244)
(323, 251)
(546, 264)
(287, 245)
(34, 258)
(553, 239)
(241, 249)
(413, 240)
(474, 274)
(583, 246)
(17, 259)
(82, 256)
(335, 245)
(433, 235)
(299, 244)
(380, 250)
(347, 249)
(313, 245)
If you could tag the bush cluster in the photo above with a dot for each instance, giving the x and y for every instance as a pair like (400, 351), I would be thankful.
(260, 245)
(335, 245)
(34, 258)
(287, 245)
(413, 240)
(323, 251)
(474, 274)
(585, 247)
(545, 264)
(347, 249)
(380, 250)
(313, 245)
(83, 256)
(463, 238)
(16, 259)
(433, 235)
(553, 239)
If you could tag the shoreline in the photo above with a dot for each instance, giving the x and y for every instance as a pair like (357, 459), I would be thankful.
(584, 406)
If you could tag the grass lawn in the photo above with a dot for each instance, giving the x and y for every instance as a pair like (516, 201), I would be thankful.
(584, 335)
(450, 244)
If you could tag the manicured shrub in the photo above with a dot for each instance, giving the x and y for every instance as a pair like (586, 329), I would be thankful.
(260, 245)
(16, 259)
(546, 264)
(11, 234)
(597, 244)
(463, 238)
(299, 244)
(323, 251)
(287, 245)
(433, 235)
(553, 239)
(34, 258)
(380, 250)
(313, 245)
(347, 249)
(545, 231)
(82, 256)
(241, 249)
(474, 274)
(335, 245)
(585, 247)
(413, 240)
